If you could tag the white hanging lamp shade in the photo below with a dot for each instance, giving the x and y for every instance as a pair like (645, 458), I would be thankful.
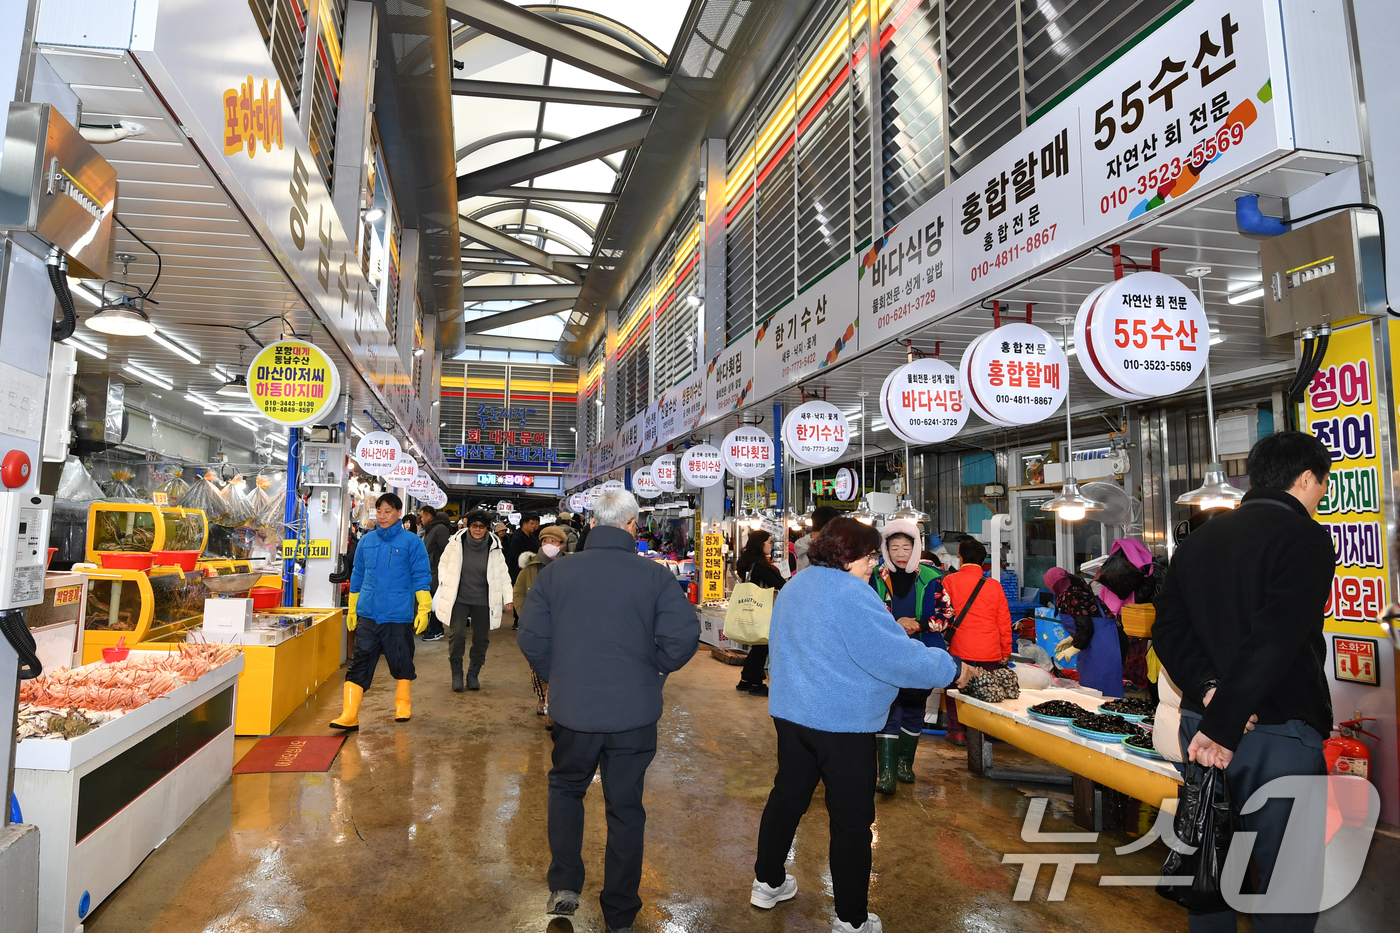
(863, 514)
(907, 511)
(1070, 504)
(1215, 491)
(121, 321)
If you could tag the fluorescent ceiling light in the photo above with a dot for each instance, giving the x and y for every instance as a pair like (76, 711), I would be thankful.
(90, 349)
(83, 292)
(279, 438)
(1247, 294)
(145, 376)
(210, 407)
(247, 424)
(355, 430)
(174, 347)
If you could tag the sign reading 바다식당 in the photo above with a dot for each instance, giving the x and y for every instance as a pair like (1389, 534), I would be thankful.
(923, 402)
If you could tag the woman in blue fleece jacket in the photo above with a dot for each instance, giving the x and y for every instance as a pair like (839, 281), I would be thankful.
(837, 659)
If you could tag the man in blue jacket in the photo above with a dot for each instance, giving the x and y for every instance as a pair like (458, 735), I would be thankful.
(603, 628)
(389, 592)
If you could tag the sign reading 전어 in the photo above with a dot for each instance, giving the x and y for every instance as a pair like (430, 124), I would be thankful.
(293, 383)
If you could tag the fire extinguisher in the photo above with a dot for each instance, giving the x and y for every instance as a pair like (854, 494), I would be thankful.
(1346, 753)
(693, 592)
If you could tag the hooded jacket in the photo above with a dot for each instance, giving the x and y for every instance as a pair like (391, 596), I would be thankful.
(391, 565)
(436, 534)
(930, 601)
(450, 576)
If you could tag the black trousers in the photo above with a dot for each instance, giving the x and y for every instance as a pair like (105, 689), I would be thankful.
(623, 758)
(1266, 753)
(394, 640)
(479, 620)
(754, 664)
(434, 626)
(845, 763)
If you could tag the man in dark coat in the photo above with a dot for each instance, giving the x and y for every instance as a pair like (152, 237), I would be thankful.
(603, 628)
(1239, 631)
(525, 538)
(437, 531)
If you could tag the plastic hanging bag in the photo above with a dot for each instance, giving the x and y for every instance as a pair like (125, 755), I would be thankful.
(271, 499)
(206, 498)
(120, 488)
(173, 489)
(239, 499)
(75, 484)
(1206, 821)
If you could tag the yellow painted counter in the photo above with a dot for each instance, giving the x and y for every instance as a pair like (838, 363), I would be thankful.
(1147, 780)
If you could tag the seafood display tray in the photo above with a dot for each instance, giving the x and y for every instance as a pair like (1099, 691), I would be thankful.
(38, 754)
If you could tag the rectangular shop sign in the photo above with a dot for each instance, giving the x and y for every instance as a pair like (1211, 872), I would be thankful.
(816, 330)
(319, 549)
(606, 455)
(691, 392)
(729, 378)
(668, 414)
(712, 568)
(211, 63)
(906, 276)
(651, 420)
(629, 440)
(1355, 659)
(1342, 410)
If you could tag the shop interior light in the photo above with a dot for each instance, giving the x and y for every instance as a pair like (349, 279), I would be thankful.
(1215, 491)
(123, 321)
(418, 351)
(83, 292)
(864, 514)
(210, 406)
(247, 424)
(373, 215)
(356, 430)
(906, 510)
(1069, 504)
(237, 388)
(91, 349)
(807, 516)
(1246, 294)
(174, 347)
(146, 376)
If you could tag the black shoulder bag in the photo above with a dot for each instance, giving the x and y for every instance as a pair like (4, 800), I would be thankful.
(968, 605)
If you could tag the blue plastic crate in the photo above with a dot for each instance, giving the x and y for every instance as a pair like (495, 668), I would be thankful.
(1011, 586)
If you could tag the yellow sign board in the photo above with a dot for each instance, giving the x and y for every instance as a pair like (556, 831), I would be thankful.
(319, 549)
(293, 383)
(67, 595)
(712, 568)
(160, 498)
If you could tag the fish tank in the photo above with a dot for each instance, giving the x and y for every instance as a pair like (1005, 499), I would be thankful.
(137, 527)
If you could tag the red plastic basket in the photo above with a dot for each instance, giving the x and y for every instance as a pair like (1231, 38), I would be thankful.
(185, 560)
(266, 597)
(133, 561)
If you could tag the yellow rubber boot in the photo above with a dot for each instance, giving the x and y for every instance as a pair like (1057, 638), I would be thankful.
(403, 708)
(349, 718)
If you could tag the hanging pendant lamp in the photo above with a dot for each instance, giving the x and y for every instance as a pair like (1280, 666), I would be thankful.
(1215, 491)
(1070, 505)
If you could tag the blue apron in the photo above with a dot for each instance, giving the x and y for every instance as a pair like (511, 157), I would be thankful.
(1100, 665)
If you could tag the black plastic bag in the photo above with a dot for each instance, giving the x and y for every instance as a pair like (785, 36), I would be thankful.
(1206, 819)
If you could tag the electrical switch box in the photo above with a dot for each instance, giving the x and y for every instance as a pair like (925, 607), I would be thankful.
(1326, 271)
(24, 547)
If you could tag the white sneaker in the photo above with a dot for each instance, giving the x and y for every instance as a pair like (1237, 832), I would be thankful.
(765, 897)
(872, 924)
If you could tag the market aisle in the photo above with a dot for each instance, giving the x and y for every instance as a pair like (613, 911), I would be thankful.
(438, 825)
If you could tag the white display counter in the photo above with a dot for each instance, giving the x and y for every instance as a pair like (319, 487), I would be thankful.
(105, 800)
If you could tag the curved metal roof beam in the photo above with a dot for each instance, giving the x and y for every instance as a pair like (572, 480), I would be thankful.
(584, 21)
(485, 141)
(530, 230)
(544, 207)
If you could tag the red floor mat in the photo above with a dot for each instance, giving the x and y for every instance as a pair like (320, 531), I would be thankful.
(287, 753)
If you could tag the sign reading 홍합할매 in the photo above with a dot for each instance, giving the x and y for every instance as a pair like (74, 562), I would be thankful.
(293, 383)
(210, 62)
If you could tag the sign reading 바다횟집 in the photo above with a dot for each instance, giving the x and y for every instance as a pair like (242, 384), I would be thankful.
(1342, 411)
(293, 383)
(747, 452)
(729, 378)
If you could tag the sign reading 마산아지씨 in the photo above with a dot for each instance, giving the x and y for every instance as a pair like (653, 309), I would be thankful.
(747, 452)
(377, 452)
(293, 383)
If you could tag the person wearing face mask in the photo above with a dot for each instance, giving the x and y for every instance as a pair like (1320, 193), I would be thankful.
(473, 591)
(553, 541)
(914, 594)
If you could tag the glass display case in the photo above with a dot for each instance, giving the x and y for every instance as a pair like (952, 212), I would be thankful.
(138, 527)
(140, 605)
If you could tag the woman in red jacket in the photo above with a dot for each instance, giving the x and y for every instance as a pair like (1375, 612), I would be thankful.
(983, 638)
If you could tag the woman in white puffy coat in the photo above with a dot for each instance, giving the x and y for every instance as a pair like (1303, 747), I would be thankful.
(474, 590)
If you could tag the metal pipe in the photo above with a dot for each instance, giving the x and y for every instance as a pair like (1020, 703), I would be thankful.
(1069, 426)
(289, 514)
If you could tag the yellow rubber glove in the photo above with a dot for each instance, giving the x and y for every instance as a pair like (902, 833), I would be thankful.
(425, 605)
(1065, 650)
(351, 620)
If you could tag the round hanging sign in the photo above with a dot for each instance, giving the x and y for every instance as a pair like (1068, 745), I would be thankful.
(613, 484)
(1147, 335)
(589, 496)
(969, 398)
(644, 484)
(1083, 350)
(293, 383)
(747, 452)
(1017, 373)
(663, 470)
(421, 486)
(816, 433)
(377, 452)
(405, 469)
(576, 503)
(845, 484)
(702, 466)
(923, 402)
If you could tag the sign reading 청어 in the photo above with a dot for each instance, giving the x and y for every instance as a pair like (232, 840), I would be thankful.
(702, 465)
(816, 433)
(293, 383)
(377, 452)
(747, 452)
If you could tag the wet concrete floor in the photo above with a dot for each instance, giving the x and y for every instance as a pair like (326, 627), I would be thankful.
(438, 825)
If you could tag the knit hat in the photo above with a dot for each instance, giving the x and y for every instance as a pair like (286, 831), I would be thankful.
(555, 533)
